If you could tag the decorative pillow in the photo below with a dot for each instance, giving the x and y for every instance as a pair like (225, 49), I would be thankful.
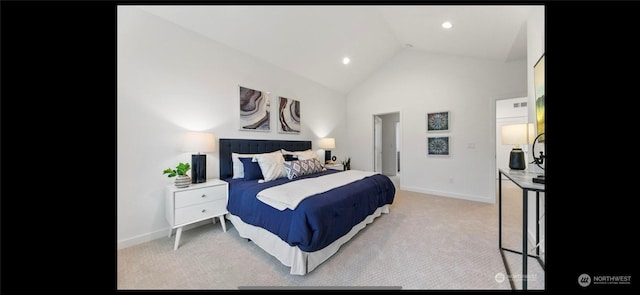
(302, 155)
(302, 167)
(290, 157)
(238, 168)
(307, 155)
(252, 170)
(271, 165)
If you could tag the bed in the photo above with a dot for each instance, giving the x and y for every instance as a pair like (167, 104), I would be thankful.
(310, 233)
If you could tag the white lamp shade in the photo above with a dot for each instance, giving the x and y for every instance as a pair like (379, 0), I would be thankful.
(199, 142)
(518, 134)
(328, 143)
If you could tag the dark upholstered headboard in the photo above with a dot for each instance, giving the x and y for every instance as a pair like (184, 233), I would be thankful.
(253, 146)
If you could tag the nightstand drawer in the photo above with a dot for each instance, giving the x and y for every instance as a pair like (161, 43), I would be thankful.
(199, 196)
(200, 211)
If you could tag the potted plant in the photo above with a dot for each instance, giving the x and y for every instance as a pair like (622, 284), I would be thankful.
(182, 179)
(346, 163)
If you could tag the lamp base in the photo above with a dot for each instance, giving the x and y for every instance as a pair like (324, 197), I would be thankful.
(516, 159)
(198, 168)
(327, 156)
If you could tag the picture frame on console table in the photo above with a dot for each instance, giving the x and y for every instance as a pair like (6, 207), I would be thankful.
(539, 83)
(539, 89)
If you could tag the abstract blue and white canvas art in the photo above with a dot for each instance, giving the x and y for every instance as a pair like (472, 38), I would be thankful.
(254, 110)
(289, 115)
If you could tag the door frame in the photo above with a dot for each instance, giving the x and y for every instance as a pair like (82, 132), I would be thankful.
(398, 137)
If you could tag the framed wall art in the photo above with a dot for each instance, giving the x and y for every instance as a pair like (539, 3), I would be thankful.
(288, 115)
(437, 122)
(538, 82)
(438, 146)
(254, 110)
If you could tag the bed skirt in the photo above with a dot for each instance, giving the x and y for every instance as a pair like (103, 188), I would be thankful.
(300, 262)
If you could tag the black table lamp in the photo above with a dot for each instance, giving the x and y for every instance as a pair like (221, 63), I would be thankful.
(327, 144)
(199, 143)
(517, 134)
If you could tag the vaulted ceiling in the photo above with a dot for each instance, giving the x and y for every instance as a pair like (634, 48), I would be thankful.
(312, 41)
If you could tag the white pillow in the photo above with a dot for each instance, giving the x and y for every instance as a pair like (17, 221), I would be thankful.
(302, 155)
(272, 165)
(307, 155)
(238, 168)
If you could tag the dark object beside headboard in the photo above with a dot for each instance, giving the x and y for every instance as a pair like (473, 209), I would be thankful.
(253, 146)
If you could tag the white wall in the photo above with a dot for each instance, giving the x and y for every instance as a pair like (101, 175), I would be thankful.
(535, 49)
(415, 83)
(171, 80)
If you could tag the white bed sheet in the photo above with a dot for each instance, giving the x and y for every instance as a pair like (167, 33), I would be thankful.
(301, 262)
(290, 194)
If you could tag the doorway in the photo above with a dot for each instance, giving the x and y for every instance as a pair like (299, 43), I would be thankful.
(377, 144)
(386, 144)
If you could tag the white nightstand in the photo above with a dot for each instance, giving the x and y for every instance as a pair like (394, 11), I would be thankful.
(195, 203)
(334, 166)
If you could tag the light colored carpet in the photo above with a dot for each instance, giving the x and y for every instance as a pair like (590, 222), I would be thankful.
(425, 242)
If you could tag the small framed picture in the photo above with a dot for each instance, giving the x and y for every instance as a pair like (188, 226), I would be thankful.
(438, 146)
(437, 122)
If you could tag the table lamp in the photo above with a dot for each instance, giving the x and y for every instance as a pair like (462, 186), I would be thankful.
(327, 143)
(200, 143)
(517, 134)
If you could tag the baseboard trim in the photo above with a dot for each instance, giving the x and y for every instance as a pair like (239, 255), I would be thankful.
(159, 234)
(449, 194)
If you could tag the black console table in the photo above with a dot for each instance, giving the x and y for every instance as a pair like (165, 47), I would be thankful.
(524, 180)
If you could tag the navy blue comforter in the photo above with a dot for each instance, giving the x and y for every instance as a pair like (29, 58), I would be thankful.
(318, 220)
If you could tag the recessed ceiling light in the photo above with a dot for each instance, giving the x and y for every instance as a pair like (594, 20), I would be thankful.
(345, 60)
(447, 25)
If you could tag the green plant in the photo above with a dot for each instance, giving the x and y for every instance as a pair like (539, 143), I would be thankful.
(347, 163)
(181, 169)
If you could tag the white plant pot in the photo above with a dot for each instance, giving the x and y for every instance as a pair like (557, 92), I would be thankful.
(182, 181)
